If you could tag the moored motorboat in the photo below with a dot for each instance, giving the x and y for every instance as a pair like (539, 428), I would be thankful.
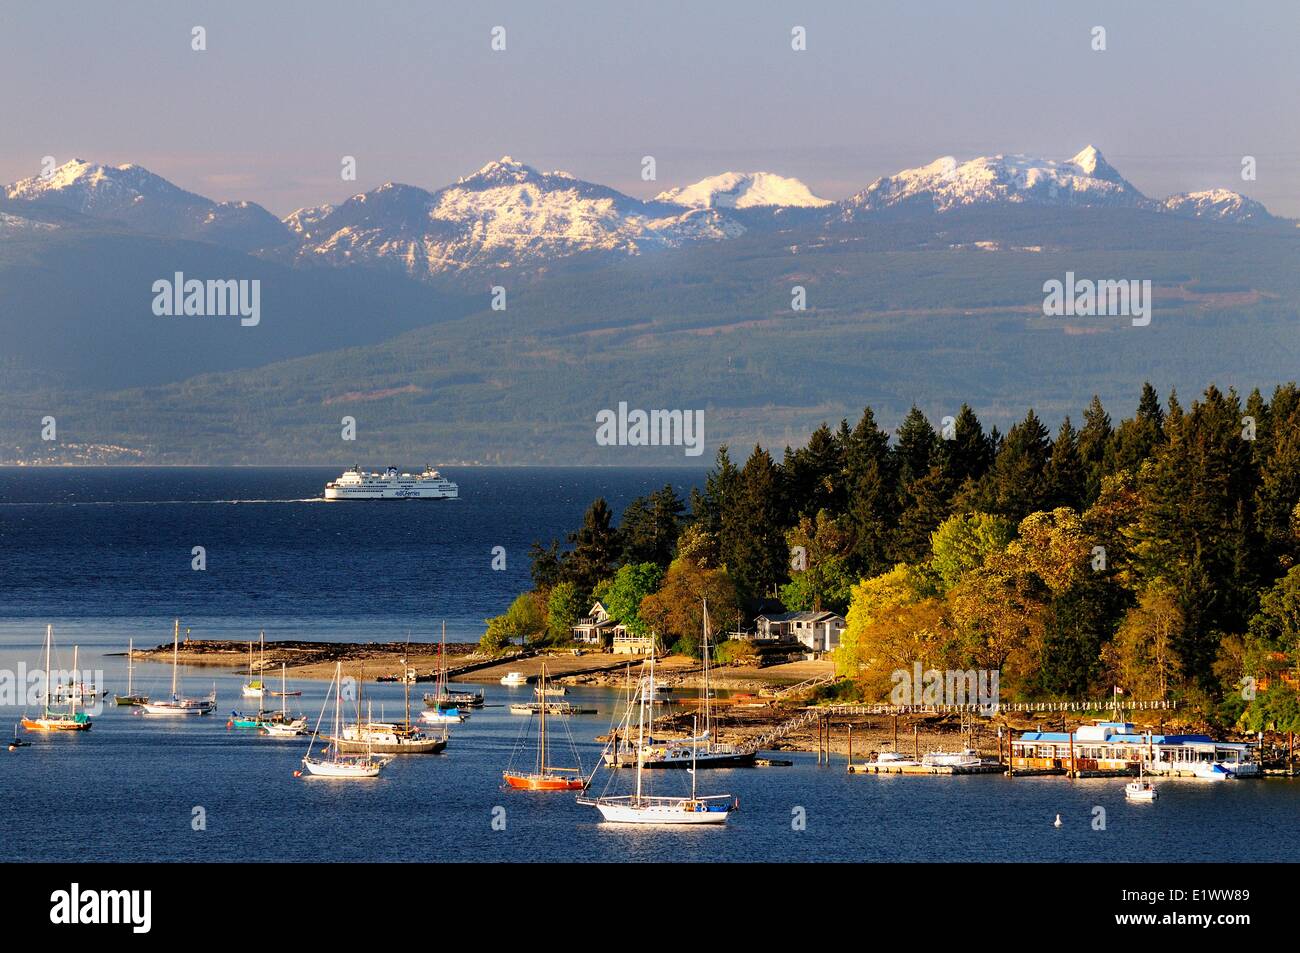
(966, 758)
(514, 679)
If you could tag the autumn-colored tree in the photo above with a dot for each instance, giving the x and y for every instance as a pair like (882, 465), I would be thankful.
(676, 611)
(903, 585)
(1143, 657)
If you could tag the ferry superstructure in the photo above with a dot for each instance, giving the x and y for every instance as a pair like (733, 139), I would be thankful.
(356, 484)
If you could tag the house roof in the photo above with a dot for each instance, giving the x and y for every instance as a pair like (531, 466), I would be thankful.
(806, 616)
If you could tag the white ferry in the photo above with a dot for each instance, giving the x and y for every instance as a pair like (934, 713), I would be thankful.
(356, 484)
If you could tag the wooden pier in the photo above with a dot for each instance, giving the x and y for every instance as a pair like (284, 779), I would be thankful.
(870, 767)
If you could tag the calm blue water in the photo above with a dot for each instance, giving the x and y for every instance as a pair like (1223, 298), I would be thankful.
(105, 554)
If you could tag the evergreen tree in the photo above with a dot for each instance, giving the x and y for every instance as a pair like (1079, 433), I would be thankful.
(1066, 474)
(596, 548)
(812, 476)
(872, 499)
(1017, 485)
(752, 541)
(916, 447)
(1136, 440)
(1094, 448)
(1196, 533)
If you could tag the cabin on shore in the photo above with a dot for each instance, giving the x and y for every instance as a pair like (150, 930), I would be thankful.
(818, 632)
(601, 632)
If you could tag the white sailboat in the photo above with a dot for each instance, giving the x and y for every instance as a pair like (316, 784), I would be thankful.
(643, 808)
(700, 750)
(130, 698)
(334, 764)
(176, 705)
(281, 725)
(255, 687)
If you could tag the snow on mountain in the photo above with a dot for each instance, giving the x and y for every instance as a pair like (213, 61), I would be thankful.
(1220, 204)
(136, 197)
(16, 224)
(506, 214)
(744, 190)
(946, 184)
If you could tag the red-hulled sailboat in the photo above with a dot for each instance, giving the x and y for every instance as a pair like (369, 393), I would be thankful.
(546, 777)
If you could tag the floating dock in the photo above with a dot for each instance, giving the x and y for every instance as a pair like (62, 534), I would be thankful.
(871, 767)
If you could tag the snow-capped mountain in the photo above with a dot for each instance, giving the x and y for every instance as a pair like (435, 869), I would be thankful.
(510, 215)
(504, 215)
(744, 190)
(141, 200)
(1220, 204)
(946, 184)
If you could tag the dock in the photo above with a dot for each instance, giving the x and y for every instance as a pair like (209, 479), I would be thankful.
(871, 767)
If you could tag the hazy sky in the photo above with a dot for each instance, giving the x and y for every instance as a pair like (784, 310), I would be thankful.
(413, 90)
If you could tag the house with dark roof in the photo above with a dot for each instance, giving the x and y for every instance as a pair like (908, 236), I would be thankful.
(816, 631)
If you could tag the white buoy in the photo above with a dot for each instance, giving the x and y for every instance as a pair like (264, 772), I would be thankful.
(1058, 821)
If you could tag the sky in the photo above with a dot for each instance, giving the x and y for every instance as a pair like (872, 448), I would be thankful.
(413, 90)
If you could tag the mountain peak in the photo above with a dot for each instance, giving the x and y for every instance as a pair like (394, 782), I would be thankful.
(1093, 163)
(945, 184)
(505, 170)
(743, 190)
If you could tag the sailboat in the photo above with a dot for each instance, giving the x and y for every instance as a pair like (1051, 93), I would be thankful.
(177, 705)
(280, 724)
(334, 764)
(254, 687)
(447, 706)
(130, 698)
(546, 777)
(49, 719)
(388, 737)
(642, 808)
(702, 751)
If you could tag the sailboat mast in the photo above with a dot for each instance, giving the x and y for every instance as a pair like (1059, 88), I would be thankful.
(640, 730)
(407, 683)
(541, 752)
(130, 664)
(284, 697)
(49, 635)
(75, 688)
(176, 648)
(708, 717)
(695, 741)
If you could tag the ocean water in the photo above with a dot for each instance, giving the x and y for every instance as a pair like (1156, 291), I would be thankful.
(105, 554)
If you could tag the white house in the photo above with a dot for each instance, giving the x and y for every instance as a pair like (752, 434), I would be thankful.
(815, 631)
(598, 629)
